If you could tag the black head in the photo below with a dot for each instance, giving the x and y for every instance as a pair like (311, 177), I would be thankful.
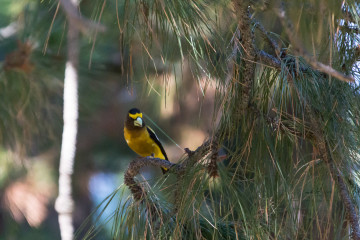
(134, 111)
(134, 119)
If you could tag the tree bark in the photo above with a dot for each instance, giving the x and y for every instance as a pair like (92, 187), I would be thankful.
(247, 42)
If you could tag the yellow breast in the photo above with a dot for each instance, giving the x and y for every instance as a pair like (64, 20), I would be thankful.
(141, 143)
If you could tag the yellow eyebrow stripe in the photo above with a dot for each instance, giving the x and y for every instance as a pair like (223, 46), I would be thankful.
(135, 116)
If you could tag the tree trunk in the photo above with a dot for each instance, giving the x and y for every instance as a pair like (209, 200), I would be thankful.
(64, 203)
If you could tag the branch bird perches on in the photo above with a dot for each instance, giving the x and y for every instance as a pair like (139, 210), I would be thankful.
(137, 164)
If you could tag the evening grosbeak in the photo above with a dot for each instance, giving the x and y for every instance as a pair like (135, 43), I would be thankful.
(141, 138)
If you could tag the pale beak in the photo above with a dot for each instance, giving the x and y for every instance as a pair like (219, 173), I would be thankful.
(138, 122)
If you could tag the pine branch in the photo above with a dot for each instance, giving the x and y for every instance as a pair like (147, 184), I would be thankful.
(264, 57)
(322, 146)
(299, 48)
(269, 59)
(316, 135)
(212, 166)
(179, 169)
(318, 138)
(197, 155)
(350, 29)
(348, 16)
(247, 42)
(83, 24)
(139, 194)
(134, 169)
(267, 37)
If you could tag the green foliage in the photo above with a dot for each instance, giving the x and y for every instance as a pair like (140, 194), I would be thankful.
(25, 109)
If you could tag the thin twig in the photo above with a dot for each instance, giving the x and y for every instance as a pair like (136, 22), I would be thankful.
(51, 26)
(299, 48)
(269, 59)
(267, 37)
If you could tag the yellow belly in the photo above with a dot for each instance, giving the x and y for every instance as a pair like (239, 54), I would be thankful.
(141, 143)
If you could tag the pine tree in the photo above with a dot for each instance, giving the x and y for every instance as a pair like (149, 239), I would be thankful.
(288, 102)
(282, 160)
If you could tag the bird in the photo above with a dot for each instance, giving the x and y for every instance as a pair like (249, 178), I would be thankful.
(141, 138)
